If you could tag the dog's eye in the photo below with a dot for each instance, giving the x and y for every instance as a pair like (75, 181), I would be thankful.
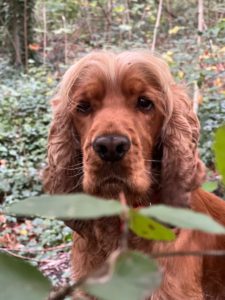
(84, 107)
(144, 104)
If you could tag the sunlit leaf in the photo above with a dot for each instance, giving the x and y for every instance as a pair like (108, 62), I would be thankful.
(183, 218)
(19, 280)
(149, 229)
(125, 27)
(135, 276)
(119, 8)
(78, 206)
(175, 30)
(219, 148)
(210, 186)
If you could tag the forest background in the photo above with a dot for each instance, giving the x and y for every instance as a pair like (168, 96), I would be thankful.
(40, 39)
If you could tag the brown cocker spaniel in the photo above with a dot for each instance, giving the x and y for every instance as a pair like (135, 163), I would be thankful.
(121, 123)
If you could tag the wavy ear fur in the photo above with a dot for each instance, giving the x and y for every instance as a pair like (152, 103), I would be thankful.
(63, 173)
(181, 168)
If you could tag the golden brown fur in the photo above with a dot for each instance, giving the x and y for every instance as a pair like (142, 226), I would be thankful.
(161, 166)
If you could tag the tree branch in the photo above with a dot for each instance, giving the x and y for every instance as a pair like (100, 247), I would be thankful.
(157, 25)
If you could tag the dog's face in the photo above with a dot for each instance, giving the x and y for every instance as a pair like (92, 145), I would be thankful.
(120, 108)
(118, 120)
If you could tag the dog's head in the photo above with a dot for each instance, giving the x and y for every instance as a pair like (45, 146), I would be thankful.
(122, 124)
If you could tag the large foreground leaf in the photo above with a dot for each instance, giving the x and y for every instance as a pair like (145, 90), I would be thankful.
(219, 148)
(19, 280)
(149, 229)
(65, 207)
(183, 218)
(135, 276)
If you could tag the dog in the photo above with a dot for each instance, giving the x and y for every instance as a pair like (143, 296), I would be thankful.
(122, 124)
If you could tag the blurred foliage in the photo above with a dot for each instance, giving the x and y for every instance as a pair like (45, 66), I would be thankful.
(219, 148)
(23, 275)
(138, 274)
(72, 29)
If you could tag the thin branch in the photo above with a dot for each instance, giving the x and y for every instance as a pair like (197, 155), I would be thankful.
(196, 97)
(9, 36)
(69, 289)
(31, 250)
(189, 253)
(215, 75)
(25, 34)
(65, 291)
(65, 40)
(167, 10)
(25, 257)
(157, 25)
(106, 13)
(200, 21)
(124, 222)
(45, 32)
(128, 18)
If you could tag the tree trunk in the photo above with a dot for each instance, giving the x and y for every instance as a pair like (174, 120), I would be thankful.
(18, 20)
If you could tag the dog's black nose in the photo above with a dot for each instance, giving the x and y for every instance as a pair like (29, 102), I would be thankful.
(111, 147)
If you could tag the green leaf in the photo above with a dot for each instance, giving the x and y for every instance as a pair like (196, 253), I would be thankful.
(219, 148)
(135, 276)
(119, 8)
(210, 186)
(183, 218)
(148, 228)
(79, 206)
(19, 280)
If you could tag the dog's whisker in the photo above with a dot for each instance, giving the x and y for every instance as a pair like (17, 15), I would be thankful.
(75, 168)
(70, 169)
(77, 163)
(152, 160)
(77, 174)
(79, 183)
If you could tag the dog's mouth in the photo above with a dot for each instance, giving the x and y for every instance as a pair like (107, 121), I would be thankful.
(111, 186)
(111, 180)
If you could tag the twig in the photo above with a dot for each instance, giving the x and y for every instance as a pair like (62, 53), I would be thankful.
(25, 35)
(215, 75)
(31, 250)
(157, 25)
(45, 32)
(167, 10)
(24, 257)
(65, 40)
(106, 13)
(195, 97)
(9, 35)
(200, 21)
(65, 291)
(124, 222)
(189, 253)
(128, 18)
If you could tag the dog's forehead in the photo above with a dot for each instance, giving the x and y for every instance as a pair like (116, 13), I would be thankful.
(116, 72)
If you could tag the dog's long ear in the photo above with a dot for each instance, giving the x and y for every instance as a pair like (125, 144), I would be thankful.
(181, 171)
(63, 173)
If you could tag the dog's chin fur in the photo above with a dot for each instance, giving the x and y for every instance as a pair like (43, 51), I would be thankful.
(111, 187)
